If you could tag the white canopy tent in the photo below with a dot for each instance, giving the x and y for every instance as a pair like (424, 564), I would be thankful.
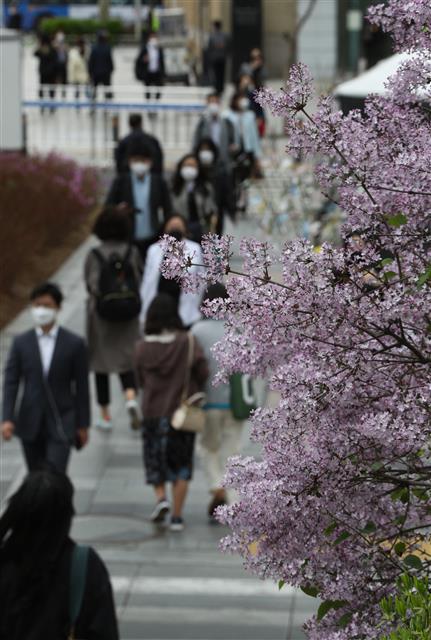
(352, 93)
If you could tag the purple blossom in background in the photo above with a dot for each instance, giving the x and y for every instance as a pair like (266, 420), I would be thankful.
(340, 503)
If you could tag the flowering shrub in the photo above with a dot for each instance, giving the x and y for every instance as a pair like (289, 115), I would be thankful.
(42, 200)
(340, 504)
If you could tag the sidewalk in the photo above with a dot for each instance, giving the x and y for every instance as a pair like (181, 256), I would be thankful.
(166, 585)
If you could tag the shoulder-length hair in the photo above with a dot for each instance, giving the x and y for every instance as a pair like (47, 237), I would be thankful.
(163, 315)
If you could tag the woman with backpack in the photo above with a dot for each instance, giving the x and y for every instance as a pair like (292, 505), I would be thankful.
(170, 365)
(113, 274)
(49, 586)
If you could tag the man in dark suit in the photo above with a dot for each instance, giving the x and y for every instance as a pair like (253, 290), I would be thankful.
(150, 64)
(144, 194)
(136, 132)
(51, 364)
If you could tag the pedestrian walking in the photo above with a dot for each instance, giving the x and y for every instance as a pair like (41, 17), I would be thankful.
(247, 86)
(214, 171)
(220, 129)
(221, 437)
(47, 68)
(218, 51)
(113, 273)
(49, 586)
(244, 122)
(166, 357)
(193, 197)
(100, 64)
(153, 283)
(61, 50)
(53, 413)
(77, 67)
(143, 193)
(150, 64)
(137, 133)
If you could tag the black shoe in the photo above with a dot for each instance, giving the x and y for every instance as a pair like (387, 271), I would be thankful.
(160, 510)
(177, 524)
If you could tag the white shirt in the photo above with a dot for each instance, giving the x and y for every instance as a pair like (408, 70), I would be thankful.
(215, 128)
(153, 57)
(46, 346)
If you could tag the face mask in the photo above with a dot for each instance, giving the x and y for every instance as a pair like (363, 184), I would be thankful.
(213, 109)
(244, 104)
(206, 157)
(140, 168)
(153, 42)
(189, 173)
(43, 316)
(177, 234)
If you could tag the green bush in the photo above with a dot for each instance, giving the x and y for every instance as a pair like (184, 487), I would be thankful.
(75, 27)
(408, 612)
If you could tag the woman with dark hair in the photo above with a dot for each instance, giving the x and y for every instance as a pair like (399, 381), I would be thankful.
(187, 303)
(162, 363)
(47, 68)
(37, 558)
(215, 172)
(113, 271)
(193, 197)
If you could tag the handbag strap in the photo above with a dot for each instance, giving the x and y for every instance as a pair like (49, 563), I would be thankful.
(190, 354)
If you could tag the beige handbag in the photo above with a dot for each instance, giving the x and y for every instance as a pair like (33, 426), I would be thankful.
(189, 416)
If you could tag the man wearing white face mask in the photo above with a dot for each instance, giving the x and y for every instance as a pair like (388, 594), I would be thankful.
(215, 126)
(144, 193)
(51, 363)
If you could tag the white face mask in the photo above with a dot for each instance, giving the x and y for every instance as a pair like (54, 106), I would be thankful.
(42, 316)
(140, 168)
(213, 109)
(206, 156)
(244, 104)
(189, 173)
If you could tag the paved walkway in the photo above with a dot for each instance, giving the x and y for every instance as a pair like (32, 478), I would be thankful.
(166, 585)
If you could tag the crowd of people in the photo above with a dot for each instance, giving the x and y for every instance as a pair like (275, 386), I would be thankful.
(140, 327)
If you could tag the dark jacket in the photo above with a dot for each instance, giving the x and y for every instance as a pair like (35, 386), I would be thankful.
(141, 64)
(48, 62)
(60, 401)
(161, 366)
(100, 64)
(160, 202)
(49, 619)
(120, 153)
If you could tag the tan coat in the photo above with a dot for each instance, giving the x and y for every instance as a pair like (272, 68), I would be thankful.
(111, 344)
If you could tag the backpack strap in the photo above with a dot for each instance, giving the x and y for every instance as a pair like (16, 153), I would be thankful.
(78, 575)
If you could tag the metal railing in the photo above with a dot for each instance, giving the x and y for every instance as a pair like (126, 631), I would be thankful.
(86, 123)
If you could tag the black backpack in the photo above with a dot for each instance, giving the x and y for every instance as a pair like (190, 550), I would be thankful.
(118, 299)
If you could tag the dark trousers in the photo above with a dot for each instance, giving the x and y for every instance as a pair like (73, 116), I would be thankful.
(46, 454)
(153, 79)
(127, 380)
(218, 69)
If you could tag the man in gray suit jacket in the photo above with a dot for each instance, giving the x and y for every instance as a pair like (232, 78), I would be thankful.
(51, 364)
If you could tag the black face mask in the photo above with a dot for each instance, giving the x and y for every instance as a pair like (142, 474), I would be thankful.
(177, 234)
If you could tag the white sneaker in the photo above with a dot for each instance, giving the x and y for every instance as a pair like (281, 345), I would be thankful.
(160, 510)
(104, 425)
(133, 409)
(177, 524)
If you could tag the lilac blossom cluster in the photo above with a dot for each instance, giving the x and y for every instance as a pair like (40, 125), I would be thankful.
(340, 502)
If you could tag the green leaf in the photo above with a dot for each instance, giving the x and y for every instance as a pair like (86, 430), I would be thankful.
(402, 493)
(388, 275)
(345, 620)
(281, 584)
(328, 605)
(311, 591)
(424, 277)
(414, 562)
(399, 548)
(421, 494)
(343, 536)
(330, 529)
(386, 261)
(370, 527)
(396, 221)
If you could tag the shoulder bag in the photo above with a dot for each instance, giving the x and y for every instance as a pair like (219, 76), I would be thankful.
(189, 416)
